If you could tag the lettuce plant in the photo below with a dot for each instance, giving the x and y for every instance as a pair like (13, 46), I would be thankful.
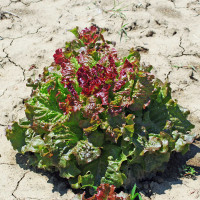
(96, 118)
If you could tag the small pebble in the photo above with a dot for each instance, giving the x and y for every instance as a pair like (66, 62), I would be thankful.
(150, 34)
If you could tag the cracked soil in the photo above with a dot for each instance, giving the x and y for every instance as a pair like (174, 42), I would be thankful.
(166, 32)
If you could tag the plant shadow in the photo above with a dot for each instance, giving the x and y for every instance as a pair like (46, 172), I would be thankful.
(172, 174)
(60, 184)
(157, 184)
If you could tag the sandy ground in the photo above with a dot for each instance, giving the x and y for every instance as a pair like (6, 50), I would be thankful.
(166, 32)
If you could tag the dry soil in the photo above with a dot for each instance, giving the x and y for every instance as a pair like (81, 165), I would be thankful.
(166, 32)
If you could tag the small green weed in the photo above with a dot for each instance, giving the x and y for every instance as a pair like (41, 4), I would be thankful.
(187, 171)
(118, 11)
(133, 194)
(123, 31)
(190, 66)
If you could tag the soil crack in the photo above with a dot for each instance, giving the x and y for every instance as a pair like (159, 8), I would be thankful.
(180, 45)
(21, 1)
(7, 164)
(183, 51)
(11, 61)
(18, 185)
(3, 94)
(168, 74)
(24, 34)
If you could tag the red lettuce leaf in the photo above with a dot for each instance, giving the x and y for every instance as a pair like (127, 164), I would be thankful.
(70, 105)
(104, 192)
(59, 57)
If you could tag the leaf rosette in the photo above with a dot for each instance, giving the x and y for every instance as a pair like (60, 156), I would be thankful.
(96, 118)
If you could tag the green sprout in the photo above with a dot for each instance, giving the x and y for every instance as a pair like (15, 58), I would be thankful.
(123, 31)
(190, 66)
(188, 171)
(133, 194)
(118, 11)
